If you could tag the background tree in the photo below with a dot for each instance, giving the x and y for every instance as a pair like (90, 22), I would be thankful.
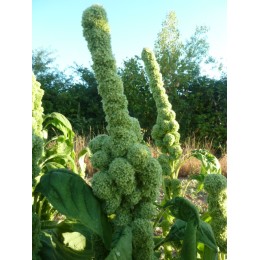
(53, 81)
(87, 109)
(74, 96)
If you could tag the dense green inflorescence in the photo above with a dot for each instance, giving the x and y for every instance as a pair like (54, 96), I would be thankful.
(37, 109)
(37, 119)
(37, 151)
(216, 187)
(128, 177)
(165, 131)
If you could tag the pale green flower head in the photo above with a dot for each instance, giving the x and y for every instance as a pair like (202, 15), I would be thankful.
(145, 210)
(151, 179)
(122, 139)
(138, 155)
(103, 186)
(118, 119)
(97, 143)
(123, 217)
(215, 183)
(157, 132)
(151, 174)
(112, 108)
(175, 151)
(142, 239)
(166, 114)
(135, 126)
(142, 229)
(95, 17)
(134, 198)
(123, 174)
(113, 203)
(169, 139)
(100, 160)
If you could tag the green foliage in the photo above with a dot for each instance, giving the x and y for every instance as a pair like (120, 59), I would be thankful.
(112, 218)
(72, 197)
(210, 163)
(122, 245)
(190, 232)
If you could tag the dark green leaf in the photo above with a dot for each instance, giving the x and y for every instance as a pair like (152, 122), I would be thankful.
(206, 236)
(72, 197)
(123, 247)
(183, 209)
(209, 254)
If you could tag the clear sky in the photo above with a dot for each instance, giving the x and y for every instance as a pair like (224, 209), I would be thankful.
(56, 24)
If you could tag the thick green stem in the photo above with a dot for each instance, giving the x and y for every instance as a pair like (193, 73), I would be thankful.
(189, 247)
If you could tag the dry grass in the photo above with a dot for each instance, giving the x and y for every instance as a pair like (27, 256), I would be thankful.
(190, 166)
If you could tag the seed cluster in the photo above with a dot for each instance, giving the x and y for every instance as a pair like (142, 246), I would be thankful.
(128, 177)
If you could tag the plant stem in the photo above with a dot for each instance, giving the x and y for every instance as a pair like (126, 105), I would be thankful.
(40, 208)
(159, 217)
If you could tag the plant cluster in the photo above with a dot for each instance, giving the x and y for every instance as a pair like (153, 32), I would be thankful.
(114, 216)
(125, 165)
(37, 151)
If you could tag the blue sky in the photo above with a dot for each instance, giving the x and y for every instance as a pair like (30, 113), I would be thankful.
(134, 25)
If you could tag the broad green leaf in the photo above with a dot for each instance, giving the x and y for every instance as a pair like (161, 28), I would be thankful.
(60, 122)
(53, 248)
(72, 197)
(176, 233)
(209, 254)
(206, 236)
(210, 163)
(183, 209)
(123, 246)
